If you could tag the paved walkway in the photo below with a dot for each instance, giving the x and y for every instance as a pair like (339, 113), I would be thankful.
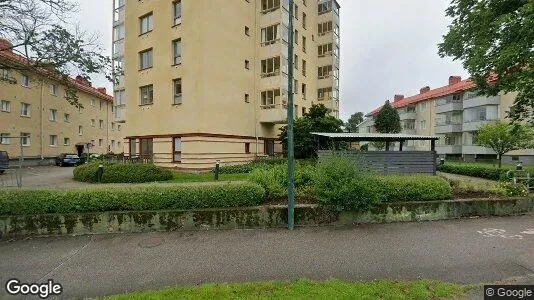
(464, 251)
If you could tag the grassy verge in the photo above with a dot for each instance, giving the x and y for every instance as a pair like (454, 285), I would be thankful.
(207, 177)
(307, 289)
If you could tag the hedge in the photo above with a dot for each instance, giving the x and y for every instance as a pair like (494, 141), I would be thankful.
(260, 163)
(121, 173)
(474, 170)
(134, 198)
(413, 188)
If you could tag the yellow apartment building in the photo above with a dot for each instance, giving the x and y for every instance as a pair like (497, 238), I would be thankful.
(33, 110)
(453, 112)
(206, 81)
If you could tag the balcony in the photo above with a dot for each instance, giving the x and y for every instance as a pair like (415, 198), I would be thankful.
(481, 101)
(448, 128)
(273, 114)
(449, 106)
(409, 131)
(474, 149)
(475, 125)
(449, 149)
(120, 113)
(407, 115)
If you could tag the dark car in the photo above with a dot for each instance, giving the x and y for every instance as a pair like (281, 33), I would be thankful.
(4, 161)
(66, 159)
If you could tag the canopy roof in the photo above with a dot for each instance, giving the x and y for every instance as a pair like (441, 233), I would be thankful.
(391, 137)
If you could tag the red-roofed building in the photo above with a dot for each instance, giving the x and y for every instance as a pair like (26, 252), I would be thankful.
(33, 106)
(454, 112)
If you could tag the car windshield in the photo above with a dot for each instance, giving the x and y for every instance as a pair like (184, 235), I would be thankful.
(71, 156)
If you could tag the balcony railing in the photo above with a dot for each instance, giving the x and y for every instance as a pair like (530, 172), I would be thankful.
(269, 10)
(271, 42)
(271, 74)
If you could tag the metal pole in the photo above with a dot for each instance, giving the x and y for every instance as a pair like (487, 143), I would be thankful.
(21, 161)
(290, 125)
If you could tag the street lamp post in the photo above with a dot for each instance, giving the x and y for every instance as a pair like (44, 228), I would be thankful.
(290, 125)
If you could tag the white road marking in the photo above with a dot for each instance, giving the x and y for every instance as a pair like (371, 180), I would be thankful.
(529, 231)
(494, 232)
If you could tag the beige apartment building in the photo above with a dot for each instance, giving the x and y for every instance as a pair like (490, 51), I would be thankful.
(453, 112)
(206, 81)
(33, 110)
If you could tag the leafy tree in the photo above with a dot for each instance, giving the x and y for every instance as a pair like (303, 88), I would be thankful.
(388, 120)
(317, 119)
(38, 31)
(495, 40)
(354, 121)
(503, 137)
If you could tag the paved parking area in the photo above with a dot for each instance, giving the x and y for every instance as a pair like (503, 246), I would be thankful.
(49, 176)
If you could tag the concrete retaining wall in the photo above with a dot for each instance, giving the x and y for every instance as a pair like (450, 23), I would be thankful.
(252, 217)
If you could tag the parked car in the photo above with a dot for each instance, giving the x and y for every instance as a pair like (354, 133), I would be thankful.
(4, 161)
(66, 159)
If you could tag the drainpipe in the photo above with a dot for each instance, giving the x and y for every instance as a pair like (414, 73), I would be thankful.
(41, 123)
(254, 101)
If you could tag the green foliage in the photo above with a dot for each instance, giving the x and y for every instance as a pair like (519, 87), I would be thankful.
(388, 120)
(275, 179)
(413, 188)
(317, 119)
(260, 163)
(494, 39)
(473, 170)
(503, 137)
(509, 189)
(353, 122)
(130, 198)
(121, 173)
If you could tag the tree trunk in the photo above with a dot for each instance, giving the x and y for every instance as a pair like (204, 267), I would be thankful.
(500, 161)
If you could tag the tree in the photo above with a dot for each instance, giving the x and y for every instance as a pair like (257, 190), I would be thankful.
(316, 120)
(495, 41)
(503, 137)
(353, 122)
(388, 120)
(37, 31)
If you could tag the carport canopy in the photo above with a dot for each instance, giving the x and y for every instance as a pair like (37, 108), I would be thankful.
(378, 137)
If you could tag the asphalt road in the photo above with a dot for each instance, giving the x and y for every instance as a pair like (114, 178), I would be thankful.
(50, 177)
(462, 251)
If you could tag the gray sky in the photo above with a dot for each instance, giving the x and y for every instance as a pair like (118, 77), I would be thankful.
(388, 47)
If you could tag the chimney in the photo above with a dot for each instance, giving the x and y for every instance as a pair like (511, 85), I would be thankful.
(79, 79)
(398, 98)
(426, 89)
(454, 80)
(6, 45)
(102, 90)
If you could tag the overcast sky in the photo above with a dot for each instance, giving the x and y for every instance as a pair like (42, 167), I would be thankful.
(388, 47)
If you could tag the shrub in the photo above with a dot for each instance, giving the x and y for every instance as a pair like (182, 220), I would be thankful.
(121, 173)
(413, 188)
(338, 182)
(473, 170)
(509, 189)
(274, 179)
(136, 198)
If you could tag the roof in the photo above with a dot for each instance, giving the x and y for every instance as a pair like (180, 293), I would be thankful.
(375, 136)
(16, 58)
(432, 94)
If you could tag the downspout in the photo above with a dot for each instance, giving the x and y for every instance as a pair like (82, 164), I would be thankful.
(254, 101)
(41, 123)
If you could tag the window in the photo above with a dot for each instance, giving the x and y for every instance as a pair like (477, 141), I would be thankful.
(53, 140)
(423, 124)
(5, 106)
(5, 74)
(303, 91)
(119, 127)
(269, 5)
(145, 59)
(80, 130)
(112, 143)
(303, 111)
(247, 98)
(295, 86)
(269, 35)
(177, 12)
(146, 147)
(133, 147)
(53, 115)
(101, 124)
(4, 139)
(25, 110)
(119, 97)
(147, 94)
(93, 143)
(66, 141)
(268, 147)
(296, 61)
(324, 7)
(296, 13)
(25, 139)
(324, 72)
(92, 122)
(324, 50)
(145, 23)
(100, 142)
(325, 28)
(118, 32)
(177, 51)
(304, 44)
(296, 37)
(304, 20)
(25, 81)
(247, 148)
(177, 86)
(270, 67)
(247, 64)
(303, 68)
(324, 93)
(53, 89)
(247, 31)
(177, 149)
(268, 98)
(92, 102)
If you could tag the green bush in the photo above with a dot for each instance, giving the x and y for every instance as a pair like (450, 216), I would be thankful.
(413, 188)
(509, 189)
(274, 179)
(338, 182)
(121, 173)
(473, 170)
(132, 198)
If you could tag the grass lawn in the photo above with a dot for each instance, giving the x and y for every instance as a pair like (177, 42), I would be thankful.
(307, 289)
(207, 177)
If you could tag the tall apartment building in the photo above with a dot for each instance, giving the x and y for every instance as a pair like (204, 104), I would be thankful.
(454, 112)
(207, 80)
(33, 107)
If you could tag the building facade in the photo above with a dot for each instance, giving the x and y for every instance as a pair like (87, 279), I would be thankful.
(453, 112)
(34, 112)
(206, 81)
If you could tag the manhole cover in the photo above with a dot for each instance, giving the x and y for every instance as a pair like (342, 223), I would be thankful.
(151, 242)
